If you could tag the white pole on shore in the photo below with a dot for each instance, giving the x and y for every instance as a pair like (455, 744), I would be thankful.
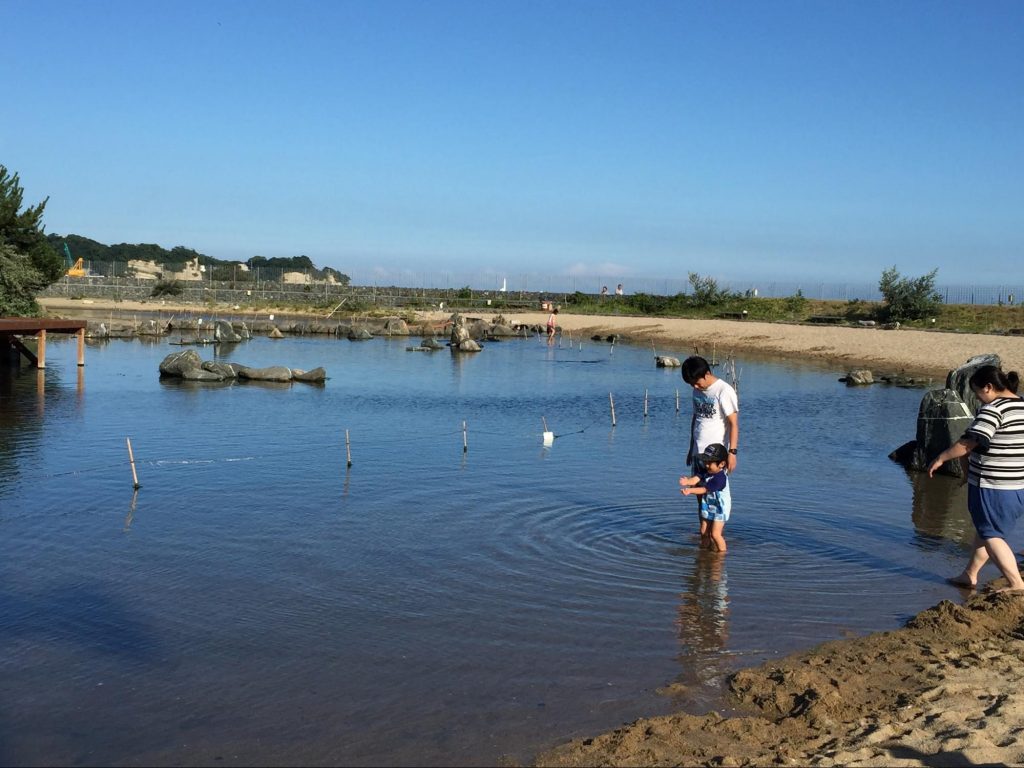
(131, 461)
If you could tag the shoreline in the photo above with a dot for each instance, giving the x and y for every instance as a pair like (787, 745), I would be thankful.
(910, 352)
(942, 690)
(943, 687)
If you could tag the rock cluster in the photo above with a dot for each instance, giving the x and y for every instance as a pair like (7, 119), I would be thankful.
(189, 366)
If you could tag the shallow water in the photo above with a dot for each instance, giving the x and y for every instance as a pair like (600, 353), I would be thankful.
(257, 602)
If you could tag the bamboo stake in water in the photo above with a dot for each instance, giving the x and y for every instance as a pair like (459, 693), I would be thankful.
(131, 461)
(677, 399)
(544, 422)
(645, 403)
(465, 439)
(611, 400)
(348, 450)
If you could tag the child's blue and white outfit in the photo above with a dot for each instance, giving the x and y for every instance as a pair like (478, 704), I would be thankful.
(716, 504)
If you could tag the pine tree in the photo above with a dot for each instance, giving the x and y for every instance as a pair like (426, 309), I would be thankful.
(28, 263)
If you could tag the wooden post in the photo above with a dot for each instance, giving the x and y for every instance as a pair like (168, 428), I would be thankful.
(348, 450)
(81, 347)
(645, 403)
(611, 400)
(465, 438)
(131, 461)
(41, 351)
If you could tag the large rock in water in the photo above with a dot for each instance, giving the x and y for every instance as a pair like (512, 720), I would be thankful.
(957, 378)
(315, 376)
(176, 363)
(225, 333)
(273, 373)
(224, 370)
(942, 419)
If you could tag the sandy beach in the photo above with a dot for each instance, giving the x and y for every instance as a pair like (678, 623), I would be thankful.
(940, 691)
(913, 352)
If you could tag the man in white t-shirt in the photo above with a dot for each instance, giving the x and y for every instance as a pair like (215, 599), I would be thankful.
(715, 411)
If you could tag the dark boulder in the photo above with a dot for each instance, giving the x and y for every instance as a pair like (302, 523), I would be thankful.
(176, 363)
(942, 419)
(957, 378)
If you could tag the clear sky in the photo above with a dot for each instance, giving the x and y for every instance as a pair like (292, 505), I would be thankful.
(747, 141)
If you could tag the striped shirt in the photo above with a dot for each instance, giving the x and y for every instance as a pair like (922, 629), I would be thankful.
(998, 461)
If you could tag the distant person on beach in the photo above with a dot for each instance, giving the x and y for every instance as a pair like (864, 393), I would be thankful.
(604, 290)
(618, 289)
(552, 323)
(994, 445)
(711, 487)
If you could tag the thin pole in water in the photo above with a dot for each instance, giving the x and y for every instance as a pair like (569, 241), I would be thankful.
(131, 461)
(465, 439)
(677, 399)
(645, 403)
(348, 450)
(611, 401)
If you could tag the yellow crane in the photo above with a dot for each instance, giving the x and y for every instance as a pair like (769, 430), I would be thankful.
(76, 268)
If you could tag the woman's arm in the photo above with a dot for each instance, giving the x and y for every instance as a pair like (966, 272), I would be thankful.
(957, 450)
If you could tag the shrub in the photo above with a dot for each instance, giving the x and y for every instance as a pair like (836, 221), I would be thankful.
(909, 298)
(797, 303)
(167, 288)
(706, 292)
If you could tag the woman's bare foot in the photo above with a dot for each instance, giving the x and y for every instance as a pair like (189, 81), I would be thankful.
(962, 581)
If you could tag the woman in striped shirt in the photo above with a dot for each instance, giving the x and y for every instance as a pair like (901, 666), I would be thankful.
(994, 443)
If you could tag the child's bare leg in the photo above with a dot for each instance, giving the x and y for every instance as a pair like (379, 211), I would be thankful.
(716, 530)
(705, 534)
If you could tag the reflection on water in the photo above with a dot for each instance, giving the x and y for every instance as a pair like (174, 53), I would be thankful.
(940, 508)
(260, 602)
(704, 619)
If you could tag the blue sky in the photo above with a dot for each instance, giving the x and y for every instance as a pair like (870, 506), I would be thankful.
(604, 140)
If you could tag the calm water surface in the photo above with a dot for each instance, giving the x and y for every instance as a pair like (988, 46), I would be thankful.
(258, 603)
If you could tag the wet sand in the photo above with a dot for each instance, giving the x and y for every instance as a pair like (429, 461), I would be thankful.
(943, 690)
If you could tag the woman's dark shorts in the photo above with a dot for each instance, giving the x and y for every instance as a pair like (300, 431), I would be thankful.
(994, 512)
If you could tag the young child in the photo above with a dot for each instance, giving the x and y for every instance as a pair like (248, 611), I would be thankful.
(712, 486)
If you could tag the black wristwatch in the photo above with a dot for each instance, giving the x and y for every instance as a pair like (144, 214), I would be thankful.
(732, 451)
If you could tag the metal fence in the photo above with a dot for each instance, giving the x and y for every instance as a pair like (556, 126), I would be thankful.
(113, 279)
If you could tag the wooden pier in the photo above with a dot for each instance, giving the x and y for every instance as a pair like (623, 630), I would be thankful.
(13, 328)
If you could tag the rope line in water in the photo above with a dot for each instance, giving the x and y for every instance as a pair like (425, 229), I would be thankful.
(174, 462)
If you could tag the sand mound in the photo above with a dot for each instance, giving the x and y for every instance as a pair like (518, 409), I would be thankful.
(943, 690)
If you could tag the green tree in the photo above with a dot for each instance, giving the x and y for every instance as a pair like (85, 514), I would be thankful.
(909, 298)
(706, 292)
(28, 263)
